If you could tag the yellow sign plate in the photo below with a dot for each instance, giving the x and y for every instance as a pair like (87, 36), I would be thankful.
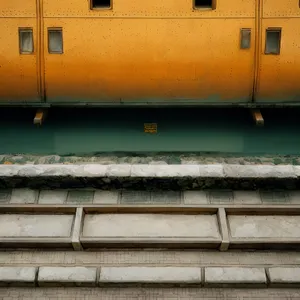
(150, 127)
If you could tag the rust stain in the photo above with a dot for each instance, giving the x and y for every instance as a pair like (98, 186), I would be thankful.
(150, 128)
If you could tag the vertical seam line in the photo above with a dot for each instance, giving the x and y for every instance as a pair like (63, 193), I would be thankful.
(258, 14)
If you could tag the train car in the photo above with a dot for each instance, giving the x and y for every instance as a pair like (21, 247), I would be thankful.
(158, 52)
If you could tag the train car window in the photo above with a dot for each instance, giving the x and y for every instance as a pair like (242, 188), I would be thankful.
(273, 41)
(55, 41)
(245, 38)
(200, 4)
(100, 4)
(26, 41)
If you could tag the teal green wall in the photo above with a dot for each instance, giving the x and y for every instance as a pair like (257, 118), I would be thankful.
(89, 131)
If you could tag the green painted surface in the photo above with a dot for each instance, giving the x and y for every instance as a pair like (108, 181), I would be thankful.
(198, 130)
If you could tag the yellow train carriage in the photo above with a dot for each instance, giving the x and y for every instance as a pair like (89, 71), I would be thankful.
(165, 52)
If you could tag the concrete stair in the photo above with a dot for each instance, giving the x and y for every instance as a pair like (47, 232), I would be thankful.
(150, 244)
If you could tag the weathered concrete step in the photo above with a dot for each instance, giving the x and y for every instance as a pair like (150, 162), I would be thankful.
(151, 257)
(85, 228)
(150, 198)
(145, 177)
(147, 229)
(149, 293)
(238, 277)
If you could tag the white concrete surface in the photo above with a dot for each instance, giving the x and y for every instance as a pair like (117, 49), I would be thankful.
(284, 275)
(259, 171)
(264, 227)
(118, 170)
(234, 276)
(139, 170)
(165, 171)
(151, 226)
(17, 276)
(25, 225)
(67, 276)
(155, 275)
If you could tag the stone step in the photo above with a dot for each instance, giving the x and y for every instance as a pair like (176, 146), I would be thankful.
(225, 277)
(151, 274)
(146, 177)
(87, 228)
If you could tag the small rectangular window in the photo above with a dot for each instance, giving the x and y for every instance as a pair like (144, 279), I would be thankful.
(273, 41)
(55, 41)
(100, 4)
(198, 4)
(245, 38)
(26, 41)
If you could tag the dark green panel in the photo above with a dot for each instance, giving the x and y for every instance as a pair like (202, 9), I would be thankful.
(89, 131)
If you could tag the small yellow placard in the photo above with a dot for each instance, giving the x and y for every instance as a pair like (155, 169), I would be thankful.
(150, 127)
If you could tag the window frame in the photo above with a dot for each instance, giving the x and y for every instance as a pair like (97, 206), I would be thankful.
(273, 29)
(53, 29)
(101, 8)
(213, 6)
(248, 31)
(25, 29)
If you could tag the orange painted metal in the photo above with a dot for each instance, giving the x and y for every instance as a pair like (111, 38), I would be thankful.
(149, 60)
(18, 72)
(150, 51)
(279, 74)
(157, 51)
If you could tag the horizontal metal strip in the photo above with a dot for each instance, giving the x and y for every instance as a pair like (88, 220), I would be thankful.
(135, 17)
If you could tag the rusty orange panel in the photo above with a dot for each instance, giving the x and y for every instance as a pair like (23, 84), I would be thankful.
(153, 8)
(17, 8)
(149, 60)
(281, 8)
(279, 74)
(19, 81)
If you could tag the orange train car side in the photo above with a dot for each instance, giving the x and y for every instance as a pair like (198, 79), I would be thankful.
(159, 52)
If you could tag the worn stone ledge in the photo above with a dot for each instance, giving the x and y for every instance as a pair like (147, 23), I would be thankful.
(150, 176)
(67, 276)
(284, 277)
(150, 275)
(94, 228)
(16, 276)
(235, 276)
(132, 275)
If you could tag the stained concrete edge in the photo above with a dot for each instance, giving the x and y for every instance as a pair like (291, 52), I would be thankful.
(164, 275)
(150, 176)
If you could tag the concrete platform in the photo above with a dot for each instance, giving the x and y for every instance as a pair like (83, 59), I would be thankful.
(147, 177)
